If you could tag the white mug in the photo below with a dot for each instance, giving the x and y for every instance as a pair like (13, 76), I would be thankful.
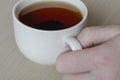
(43, 46)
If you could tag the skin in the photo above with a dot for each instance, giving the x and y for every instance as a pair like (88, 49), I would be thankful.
(98, 60)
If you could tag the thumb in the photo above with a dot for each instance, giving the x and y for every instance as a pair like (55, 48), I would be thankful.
(95, 35)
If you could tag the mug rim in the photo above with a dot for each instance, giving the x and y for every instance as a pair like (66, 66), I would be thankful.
(82, 21)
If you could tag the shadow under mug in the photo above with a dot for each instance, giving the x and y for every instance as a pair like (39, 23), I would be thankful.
(43, 46)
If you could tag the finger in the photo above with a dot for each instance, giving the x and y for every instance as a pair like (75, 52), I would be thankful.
(84, 60)
(78, 77)
(96, 35)
(75, 62)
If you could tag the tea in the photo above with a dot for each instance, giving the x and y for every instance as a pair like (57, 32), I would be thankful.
(50, 15)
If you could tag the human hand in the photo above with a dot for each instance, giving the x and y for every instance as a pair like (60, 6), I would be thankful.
(100, 58)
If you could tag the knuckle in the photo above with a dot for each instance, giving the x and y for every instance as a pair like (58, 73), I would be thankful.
(87, 30)
(86, 33)
(86, 36)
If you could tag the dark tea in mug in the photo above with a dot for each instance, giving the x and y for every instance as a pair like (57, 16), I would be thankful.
(50, 15)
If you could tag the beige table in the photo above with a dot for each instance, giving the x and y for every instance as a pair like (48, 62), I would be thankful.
(14, 66)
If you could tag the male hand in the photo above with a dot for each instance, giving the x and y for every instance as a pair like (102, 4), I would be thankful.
(100, 58)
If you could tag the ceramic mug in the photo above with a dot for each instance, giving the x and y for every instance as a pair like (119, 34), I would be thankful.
(43, 46)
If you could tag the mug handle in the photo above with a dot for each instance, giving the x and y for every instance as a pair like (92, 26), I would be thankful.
(73, 43)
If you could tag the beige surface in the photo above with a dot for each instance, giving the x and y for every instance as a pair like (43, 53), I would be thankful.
(14, 66)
